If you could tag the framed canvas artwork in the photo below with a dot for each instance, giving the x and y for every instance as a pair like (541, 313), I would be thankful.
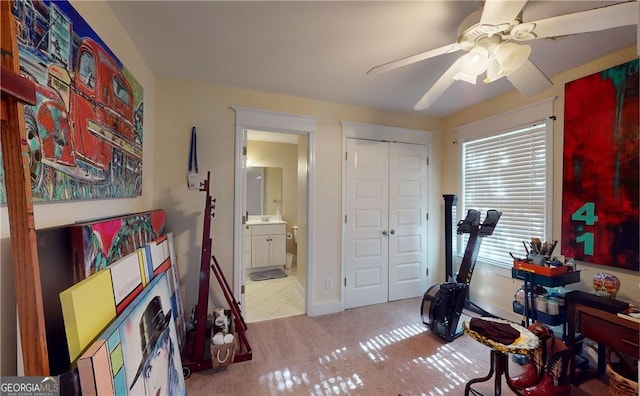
(85, 131)
(99, 243)
(601, 169)
(142, 355)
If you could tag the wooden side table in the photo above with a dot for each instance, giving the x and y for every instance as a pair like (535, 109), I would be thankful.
(596, 318)
(523, 345)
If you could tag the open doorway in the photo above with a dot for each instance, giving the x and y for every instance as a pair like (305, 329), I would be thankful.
(273, 284)
(273, 170)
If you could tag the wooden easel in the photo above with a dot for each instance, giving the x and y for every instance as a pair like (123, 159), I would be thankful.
(16, 91)
(195, 357)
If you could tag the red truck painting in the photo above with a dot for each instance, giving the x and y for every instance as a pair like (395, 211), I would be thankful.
(85, 131)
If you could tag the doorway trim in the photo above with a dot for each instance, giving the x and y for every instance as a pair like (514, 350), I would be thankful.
(355, 130)
(263, 120)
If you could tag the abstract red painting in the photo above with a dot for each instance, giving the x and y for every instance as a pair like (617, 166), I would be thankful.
(601, 168)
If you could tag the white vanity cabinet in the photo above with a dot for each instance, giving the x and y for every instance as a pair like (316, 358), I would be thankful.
(268, 245)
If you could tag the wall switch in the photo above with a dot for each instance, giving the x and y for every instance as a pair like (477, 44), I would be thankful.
(328, 283)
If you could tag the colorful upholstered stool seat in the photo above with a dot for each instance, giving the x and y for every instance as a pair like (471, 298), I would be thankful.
(525, 343)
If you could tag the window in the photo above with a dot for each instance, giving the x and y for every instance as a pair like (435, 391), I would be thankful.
(86, 69)
(121, 91)
(510, 171)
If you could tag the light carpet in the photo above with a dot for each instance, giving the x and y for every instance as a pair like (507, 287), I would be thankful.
(381, 349)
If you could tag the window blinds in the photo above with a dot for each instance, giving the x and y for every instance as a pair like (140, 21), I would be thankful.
(508, 172)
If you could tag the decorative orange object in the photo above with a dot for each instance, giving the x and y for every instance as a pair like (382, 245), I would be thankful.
(606, 284)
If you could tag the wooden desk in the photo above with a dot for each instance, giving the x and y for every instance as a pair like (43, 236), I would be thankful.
(606, 328)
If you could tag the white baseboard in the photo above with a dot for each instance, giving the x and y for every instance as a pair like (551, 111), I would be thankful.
(324, 308)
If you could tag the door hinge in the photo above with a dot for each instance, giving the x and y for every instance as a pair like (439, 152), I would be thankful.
(345, 282)
(345, 219)
(244, 150)
(346, 154)
(427, 215)
(427, 161)
(242, 289)
(427, 271)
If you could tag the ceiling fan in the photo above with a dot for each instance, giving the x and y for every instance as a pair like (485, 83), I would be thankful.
(489, 36)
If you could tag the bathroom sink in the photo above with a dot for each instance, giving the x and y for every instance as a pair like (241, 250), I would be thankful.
(256, 220)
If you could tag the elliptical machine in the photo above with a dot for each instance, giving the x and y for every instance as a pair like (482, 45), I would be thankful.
(442, 303)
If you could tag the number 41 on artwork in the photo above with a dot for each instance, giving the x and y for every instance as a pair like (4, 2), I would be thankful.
(586, 213)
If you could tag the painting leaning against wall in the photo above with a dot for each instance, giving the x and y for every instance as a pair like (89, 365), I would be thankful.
(84, 133)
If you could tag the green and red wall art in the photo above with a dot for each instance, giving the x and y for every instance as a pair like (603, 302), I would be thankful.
(601, 169)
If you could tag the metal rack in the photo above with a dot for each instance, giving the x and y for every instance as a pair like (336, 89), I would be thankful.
(531, 279)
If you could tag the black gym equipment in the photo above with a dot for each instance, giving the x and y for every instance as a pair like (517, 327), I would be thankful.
(443, 303)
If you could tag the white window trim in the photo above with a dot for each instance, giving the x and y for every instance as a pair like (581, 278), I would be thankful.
(503, 122)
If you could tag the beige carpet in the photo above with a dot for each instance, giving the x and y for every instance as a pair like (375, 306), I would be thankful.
(381, 349)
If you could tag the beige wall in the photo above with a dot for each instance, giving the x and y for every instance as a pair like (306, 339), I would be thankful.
(182, 104)
(99, 16)
(492, 291)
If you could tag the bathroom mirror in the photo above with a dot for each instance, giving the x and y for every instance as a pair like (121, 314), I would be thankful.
(264, 190)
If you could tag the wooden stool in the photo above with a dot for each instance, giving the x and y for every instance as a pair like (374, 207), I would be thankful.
(525, 344)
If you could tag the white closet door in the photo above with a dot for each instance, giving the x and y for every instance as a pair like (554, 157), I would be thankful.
(367, 188)
(408, 181)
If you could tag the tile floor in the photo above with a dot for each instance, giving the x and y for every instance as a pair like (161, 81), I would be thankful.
(272, 299)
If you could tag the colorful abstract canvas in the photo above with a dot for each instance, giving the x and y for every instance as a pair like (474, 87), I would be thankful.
(91, 304)
(158, 257)
(601, 169)
(87, 308)
(143, 347)
(128, 280)
(176, 293)
(97, 244)
(85, 131)
(94, 370)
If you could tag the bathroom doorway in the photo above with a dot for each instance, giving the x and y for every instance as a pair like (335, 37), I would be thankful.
(271, 231)
(272, 204)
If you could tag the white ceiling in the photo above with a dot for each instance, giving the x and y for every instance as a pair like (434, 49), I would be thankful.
(323, 49)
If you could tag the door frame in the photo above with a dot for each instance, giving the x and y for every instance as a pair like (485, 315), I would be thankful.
(263, 120)
(355, 130)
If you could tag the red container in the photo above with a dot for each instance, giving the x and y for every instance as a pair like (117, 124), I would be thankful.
(524, 265)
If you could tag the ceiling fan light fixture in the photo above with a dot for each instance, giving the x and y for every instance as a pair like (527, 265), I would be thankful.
(473, 64)
(493, 72)
(511, 56)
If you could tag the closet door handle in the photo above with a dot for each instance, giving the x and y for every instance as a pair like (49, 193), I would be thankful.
(385, 233)
(392, 231)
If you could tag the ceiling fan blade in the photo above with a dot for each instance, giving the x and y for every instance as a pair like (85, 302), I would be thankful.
(529, 80)
(621, 14)
(496, 12)
(415, 58)
(438, 88)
